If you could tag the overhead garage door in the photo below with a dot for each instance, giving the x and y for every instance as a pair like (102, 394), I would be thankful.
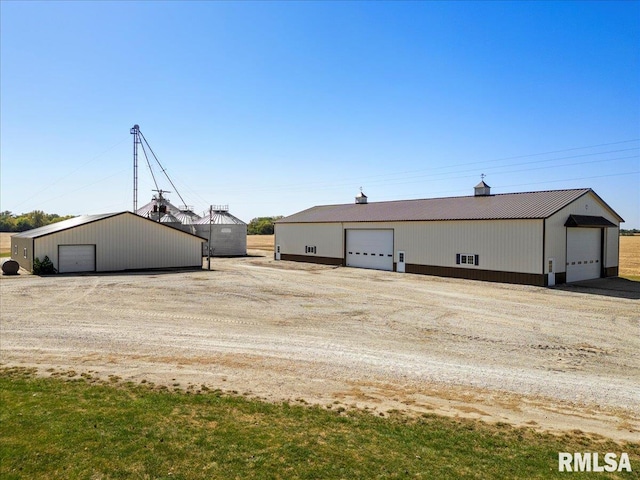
(583, 254)
(76, 258)
(370, 249)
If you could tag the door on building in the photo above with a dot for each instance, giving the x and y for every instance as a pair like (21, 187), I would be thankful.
(401, 262)
(584, 253)
(370, 249)
(76, 258)
(277, 252)
(551, 276)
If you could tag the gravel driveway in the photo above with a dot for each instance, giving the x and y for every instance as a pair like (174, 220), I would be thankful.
(552, 359)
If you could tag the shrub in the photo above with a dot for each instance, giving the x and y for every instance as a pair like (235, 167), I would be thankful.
(44, 267)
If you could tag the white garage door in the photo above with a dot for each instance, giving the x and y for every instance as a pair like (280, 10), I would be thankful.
(583, 254)
(76, 258)
(370, 249)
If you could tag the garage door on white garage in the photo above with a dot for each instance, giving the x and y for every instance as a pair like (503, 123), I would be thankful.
(584, 253)
(370, 249)
(76, 258)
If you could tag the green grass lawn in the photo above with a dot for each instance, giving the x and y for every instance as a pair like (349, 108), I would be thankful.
(79, 428)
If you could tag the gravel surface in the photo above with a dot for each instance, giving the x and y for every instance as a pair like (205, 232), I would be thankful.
(554, 359)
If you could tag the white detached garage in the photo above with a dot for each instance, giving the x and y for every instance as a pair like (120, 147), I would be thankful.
(106, 243)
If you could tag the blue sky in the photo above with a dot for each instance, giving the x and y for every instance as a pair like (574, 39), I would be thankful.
(275, 107)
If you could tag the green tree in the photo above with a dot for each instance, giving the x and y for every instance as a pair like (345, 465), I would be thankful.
(262, 225)
(37, 218)
(26, 221)
(7, 222)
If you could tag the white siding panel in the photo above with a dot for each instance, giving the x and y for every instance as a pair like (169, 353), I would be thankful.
(502, 245)
(612, 247)
(328, 238)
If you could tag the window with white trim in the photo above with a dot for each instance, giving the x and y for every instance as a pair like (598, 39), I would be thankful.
(467, 259)
(24, 252)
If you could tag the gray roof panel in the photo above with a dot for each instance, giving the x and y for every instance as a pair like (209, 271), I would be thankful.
(528, 205)
(84, 220)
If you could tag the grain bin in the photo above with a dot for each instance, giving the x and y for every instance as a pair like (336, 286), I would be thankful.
(228, 233)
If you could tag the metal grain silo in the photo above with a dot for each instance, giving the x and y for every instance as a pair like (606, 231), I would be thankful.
(228, 233)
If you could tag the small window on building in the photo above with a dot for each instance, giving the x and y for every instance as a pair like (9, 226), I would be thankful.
(25, 253)
(467, 259)
(15, 249)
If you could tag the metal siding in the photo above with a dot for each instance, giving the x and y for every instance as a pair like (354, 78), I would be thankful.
(502, 245)
(556, 240)
(231, 243)
(612, 245)
(22, 243)
(326, 237)
(126, 242)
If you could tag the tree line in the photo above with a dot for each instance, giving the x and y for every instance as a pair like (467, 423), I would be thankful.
(10, 222)
(262, 225)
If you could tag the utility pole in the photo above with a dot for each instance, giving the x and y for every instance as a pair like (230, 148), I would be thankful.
(210, 221)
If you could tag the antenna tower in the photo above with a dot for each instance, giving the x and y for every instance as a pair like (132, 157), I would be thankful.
(135, 131)
(138, 139)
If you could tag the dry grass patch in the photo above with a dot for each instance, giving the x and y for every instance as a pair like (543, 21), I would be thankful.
(260, 242)
(630, 257)
(5, 244)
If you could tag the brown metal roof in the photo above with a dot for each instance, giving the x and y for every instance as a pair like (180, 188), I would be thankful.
(529, 205)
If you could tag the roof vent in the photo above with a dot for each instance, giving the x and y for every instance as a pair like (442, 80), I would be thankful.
(482, 189)
(361, 197)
